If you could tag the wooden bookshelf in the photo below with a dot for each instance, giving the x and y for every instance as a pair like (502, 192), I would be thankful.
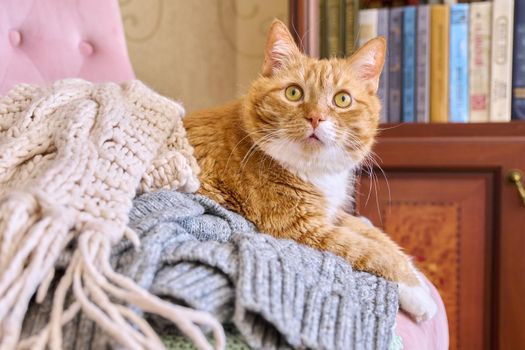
(411, 130)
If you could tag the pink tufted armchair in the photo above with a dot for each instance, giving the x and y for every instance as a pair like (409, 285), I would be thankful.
(45, 40)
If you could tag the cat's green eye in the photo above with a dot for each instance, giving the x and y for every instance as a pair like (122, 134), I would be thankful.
(293, 93)
(342, 99)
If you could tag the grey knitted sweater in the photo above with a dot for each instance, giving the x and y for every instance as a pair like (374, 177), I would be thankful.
(278, 293)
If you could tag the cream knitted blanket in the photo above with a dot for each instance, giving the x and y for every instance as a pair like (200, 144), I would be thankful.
(72, 157)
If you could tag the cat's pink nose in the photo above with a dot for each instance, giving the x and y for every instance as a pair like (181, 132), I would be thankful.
(315, 119)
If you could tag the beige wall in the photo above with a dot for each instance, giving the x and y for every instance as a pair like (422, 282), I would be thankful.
(200, 52)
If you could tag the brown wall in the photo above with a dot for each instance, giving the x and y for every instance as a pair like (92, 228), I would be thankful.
(200, 52)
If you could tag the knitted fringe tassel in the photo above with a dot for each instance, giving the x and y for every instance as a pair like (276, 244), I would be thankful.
(31, 240)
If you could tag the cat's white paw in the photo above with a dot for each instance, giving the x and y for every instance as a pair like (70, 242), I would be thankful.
(417, 301)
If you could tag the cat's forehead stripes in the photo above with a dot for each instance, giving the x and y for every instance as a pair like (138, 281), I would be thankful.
(326, 74)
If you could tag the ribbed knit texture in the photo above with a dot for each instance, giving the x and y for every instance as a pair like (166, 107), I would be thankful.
(281, 293)
(278, 293)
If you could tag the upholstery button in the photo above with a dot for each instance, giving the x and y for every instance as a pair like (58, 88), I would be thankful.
(15, 37)
(86, 48)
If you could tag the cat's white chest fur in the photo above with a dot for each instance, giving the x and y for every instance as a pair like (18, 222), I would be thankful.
(334, 187)
(329, 170)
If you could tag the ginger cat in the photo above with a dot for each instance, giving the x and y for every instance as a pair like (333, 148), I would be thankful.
(282, 155)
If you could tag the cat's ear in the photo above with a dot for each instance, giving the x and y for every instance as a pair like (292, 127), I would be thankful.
(280, 49)
(368, 62)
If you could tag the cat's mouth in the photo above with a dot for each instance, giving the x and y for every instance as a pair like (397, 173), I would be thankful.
(313, 138)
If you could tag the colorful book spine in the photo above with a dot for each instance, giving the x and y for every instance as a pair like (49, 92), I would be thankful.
(423, 65)
(395, 53)
(332, 28)
(367, 25)
(323, 28)
(439, 39)
(518, 75)
(382, 30)
(409, 64)
(458, 66)
(341, 37)
(501, 67)
(479, 60)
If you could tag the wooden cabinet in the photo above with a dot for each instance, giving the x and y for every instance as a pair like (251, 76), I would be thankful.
(446, 199)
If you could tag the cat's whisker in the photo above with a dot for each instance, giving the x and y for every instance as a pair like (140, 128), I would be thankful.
(372, 163)
(390, 127)
(351, 139)
(249, 153)
(262, 130)
(244, 138)
(257, 144)
(372, 155)
(279, 146)
(376, 185)
(265, 156)
(369, 172)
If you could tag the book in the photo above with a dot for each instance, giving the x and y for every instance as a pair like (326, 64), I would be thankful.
(409, 65)
(479, 60)
(352, 26)
(458, 64)
(329, 28)
(341, 37)
(439, 39)
(333, 28)
(395, 53)
(367, 26)
(423, 64)
(323, 28)
(501, 64)
(518, 71)
(382, 30)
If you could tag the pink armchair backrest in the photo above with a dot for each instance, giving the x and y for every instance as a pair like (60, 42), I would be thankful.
(45, 40)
